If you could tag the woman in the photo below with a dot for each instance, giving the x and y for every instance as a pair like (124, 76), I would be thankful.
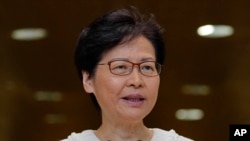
(119, 59)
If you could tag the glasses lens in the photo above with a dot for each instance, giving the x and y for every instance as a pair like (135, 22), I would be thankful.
(150, 68)
(120, 67)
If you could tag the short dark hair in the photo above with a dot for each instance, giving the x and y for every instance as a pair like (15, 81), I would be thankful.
(114, 28)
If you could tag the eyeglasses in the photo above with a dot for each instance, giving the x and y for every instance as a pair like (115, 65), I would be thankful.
(124, 67)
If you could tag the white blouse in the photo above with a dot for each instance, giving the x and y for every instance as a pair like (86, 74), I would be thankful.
(159, 135)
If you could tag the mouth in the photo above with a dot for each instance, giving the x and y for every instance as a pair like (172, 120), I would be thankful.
(134, 100)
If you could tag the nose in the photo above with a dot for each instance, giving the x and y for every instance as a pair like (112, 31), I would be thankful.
(135, 78)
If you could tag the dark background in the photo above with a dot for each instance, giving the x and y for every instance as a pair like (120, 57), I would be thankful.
(29, 68)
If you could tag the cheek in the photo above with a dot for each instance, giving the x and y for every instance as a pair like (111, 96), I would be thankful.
(106, 87)
(153, 86)
(107, 93)
(154, 83)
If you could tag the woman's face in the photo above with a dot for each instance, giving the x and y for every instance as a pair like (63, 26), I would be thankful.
(130, 97)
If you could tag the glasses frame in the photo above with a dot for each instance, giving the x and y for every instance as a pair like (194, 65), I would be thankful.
(159, 68)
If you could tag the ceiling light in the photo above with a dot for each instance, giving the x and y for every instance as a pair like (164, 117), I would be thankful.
(29, 34)
(195, 89)
(215, 31)
(189, 114)
(55, 118)
(53, 96)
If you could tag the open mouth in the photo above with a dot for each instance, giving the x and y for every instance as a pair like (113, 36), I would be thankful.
(133, 99)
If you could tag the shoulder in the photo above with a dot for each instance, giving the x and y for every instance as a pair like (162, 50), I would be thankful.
(86, 135)
(163, 135)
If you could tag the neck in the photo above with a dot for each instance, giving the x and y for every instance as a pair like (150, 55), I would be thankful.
(123, 131)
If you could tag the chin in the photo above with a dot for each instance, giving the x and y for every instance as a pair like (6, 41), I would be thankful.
(135, 116)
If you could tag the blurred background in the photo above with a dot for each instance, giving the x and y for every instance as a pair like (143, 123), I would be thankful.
(204, 88)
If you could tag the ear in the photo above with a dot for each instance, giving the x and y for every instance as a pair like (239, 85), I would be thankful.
(87, 82)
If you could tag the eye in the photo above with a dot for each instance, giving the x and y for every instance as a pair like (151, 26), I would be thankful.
(119, 67)
(148, 67)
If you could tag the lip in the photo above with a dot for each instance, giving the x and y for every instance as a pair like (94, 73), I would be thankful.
(134, 100)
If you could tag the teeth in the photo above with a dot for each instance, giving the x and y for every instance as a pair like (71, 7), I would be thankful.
(134, 99)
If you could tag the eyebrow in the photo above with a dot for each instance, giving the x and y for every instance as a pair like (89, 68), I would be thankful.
(142, 60)
(148, 59)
